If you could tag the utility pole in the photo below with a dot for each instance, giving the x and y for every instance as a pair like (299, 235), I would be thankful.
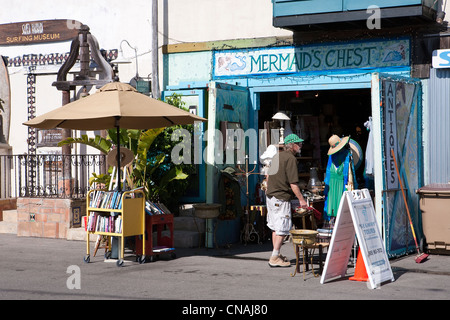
(155, 73)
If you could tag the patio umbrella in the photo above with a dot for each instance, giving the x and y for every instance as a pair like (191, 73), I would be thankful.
(115, 105)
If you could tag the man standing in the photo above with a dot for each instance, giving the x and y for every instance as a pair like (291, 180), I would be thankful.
(282, 181)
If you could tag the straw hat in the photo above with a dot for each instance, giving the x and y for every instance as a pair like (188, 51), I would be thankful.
(126, 156)
(336, 144)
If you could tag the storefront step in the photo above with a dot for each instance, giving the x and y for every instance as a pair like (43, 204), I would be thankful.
(8, 222)
(9, 216)
(79, 234)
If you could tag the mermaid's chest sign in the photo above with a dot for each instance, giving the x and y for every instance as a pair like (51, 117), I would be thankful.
(296, 59)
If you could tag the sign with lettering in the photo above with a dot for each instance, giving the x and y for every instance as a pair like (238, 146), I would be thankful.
(293, 59)
(441, 59)
(356, 216)
(23, 33)
(390, 138)
(49, 138)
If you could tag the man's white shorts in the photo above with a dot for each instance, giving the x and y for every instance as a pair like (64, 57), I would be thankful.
(279, 216)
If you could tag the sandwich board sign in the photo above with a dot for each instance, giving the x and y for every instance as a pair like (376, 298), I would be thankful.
(356, 216)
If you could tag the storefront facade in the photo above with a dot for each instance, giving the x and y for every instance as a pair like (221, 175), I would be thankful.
(326, 88)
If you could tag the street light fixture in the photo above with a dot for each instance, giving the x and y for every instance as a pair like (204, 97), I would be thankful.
(122, 60)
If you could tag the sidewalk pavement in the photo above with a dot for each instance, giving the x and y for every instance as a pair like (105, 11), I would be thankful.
(437, 264)
(48, 269)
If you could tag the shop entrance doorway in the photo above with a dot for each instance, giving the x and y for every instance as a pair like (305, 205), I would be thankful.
(315, 116)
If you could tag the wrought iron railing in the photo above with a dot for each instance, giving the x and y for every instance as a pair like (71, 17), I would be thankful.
(48, 176)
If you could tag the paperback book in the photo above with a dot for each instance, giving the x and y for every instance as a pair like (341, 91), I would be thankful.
(106, 199)
(153, 208)
(100, 223)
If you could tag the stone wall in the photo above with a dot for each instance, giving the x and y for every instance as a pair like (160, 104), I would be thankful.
(48, 218)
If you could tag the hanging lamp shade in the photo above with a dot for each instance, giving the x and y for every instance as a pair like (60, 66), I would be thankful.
(280, 116)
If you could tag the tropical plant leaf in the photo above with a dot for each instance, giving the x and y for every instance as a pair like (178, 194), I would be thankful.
(97, 142)
(100, 179)
(155, 164)
(145, 141)
(123, 135)
(176, 173)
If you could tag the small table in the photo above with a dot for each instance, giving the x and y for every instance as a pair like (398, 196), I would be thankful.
(306, 248)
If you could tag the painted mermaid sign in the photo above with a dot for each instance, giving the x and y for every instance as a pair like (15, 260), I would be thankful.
(295, 59)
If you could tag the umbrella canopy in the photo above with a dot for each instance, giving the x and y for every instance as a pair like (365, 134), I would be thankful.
(116, 104)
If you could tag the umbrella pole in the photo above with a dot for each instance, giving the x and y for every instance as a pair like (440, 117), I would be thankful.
(118, 152)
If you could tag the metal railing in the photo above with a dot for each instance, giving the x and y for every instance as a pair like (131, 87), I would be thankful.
(49, 175)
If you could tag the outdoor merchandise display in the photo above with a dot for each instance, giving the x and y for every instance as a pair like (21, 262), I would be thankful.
(342, 157)
(120, 223)
(117, 105)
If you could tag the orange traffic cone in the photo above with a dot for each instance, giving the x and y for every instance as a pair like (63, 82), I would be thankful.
(360, 270)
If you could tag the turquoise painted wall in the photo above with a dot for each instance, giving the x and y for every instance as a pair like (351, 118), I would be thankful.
(298, 7)
(187, 67)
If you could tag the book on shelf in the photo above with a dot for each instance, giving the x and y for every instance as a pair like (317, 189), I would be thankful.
(162, 249)
(100, 223)
(153, 208)
(106, 199)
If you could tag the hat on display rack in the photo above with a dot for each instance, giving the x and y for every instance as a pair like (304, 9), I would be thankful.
(336, 144)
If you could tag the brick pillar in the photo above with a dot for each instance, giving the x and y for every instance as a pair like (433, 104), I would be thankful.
(48, 218)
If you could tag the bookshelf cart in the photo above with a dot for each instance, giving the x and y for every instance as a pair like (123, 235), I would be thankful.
(116, 214)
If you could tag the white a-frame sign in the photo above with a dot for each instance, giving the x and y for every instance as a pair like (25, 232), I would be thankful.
(356, 215)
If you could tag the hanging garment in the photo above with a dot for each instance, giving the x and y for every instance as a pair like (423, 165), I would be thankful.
(336, 180)
(369, 149)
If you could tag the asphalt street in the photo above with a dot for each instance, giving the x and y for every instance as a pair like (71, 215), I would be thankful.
(53, 269)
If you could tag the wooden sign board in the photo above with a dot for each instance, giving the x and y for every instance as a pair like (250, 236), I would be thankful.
(33, 32)
(49, 137)
(356, 216)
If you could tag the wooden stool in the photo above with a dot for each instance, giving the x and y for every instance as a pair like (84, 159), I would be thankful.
(102, 243)
(306, 251)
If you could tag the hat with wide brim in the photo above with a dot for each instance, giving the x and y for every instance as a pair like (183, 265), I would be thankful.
(336, 143)
(126, 157)
(357, 154)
